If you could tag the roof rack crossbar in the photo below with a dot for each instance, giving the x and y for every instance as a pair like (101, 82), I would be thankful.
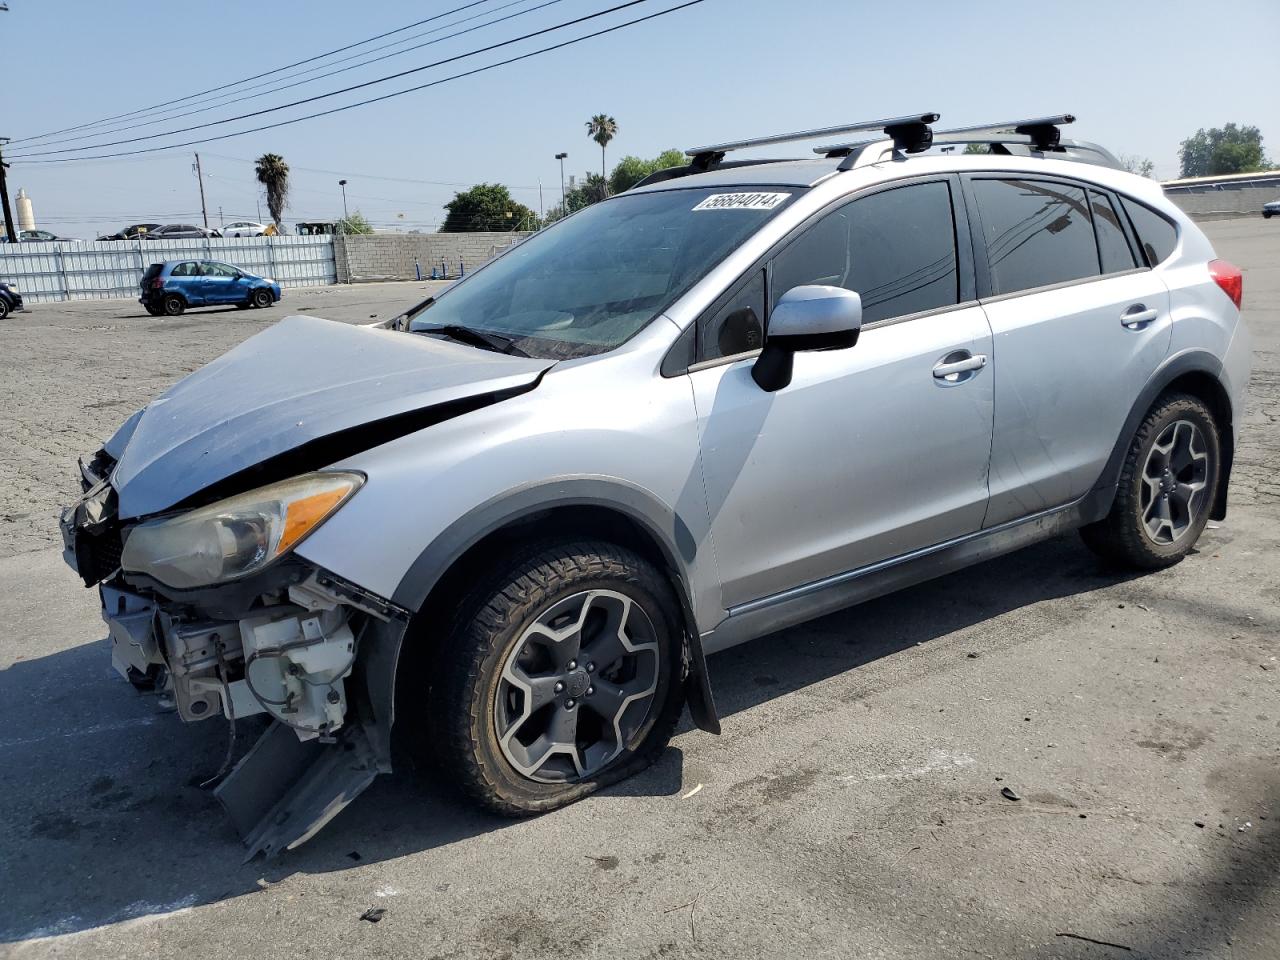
(911, 129)
(1044, 132)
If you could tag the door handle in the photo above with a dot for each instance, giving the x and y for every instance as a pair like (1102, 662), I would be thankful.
(1138, 316)
(951, 370)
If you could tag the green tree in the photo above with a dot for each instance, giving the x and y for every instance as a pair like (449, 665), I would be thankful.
(487, 206)
(1142, 166)
(977, 148)
(273, 174)
(602, 128)
(356, 224)
(1219, 150)
(631, 170)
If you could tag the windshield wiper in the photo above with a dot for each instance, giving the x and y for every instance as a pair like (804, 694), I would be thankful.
(476, 338)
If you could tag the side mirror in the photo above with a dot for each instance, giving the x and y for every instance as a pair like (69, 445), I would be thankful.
(806, 318)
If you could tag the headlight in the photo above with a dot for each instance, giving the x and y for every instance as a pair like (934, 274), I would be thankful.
(239, 536)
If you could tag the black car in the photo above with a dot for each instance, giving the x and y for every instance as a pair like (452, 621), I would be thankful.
(10, 300)
(180, 231)
(131, 232)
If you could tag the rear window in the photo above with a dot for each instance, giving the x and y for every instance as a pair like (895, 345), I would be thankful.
(153, 271)
(1036, 232)
(1156, 235)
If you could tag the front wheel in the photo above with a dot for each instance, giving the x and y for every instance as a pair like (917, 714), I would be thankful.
(261, 298)
(1167, 487)
(558, 677)
(4, 308)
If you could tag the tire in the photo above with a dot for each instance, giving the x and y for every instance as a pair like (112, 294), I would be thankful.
(4, 308)
(1266, 214)
(481, 717)
(154, 311)
(261, 299)
(173, 305)
(1155, 482)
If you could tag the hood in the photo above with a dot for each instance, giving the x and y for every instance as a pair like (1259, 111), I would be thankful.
(294, 385)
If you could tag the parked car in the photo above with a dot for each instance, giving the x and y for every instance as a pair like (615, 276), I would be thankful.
(10, 301)
(131, 232)
(244, 228)
(180, 231)
(40, 236)
(736, 397)
(1271, 209)
(169, 288)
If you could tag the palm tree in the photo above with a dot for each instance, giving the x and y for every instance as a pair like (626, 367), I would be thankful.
(273, 173)
(602, 128)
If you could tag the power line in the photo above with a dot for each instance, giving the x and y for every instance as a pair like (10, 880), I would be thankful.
(334, 93)
(236, 98)
(389, 96)
(258, 76)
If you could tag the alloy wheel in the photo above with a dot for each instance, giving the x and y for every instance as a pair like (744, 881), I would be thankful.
(1175, 482)
(577, 687)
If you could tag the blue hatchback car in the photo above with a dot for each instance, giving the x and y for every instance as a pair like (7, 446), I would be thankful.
(169, 288)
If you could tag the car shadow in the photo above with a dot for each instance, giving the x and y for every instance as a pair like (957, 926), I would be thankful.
(106, 820)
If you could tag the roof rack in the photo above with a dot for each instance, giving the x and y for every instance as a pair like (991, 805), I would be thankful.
(912, 132)
(1036, 135)
(906, 135)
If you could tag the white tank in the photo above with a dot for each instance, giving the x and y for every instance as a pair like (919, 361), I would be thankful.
(26, 214)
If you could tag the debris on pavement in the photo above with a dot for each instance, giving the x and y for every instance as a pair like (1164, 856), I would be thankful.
(692, 792)
(373, 914)
(1101, 943)
(1009, 794)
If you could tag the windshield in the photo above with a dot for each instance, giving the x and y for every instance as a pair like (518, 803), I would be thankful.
(592, 281)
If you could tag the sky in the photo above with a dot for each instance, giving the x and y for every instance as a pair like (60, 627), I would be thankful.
(1140, 77)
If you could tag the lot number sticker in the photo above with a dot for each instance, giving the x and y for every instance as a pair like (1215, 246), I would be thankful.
(742, 201)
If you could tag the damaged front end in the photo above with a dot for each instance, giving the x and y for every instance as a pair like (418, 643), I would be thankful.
(290, 640)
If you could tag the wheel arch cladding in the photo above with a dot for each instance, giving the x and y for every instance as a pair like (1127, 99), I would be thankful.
(1195, 373)
(599, 508)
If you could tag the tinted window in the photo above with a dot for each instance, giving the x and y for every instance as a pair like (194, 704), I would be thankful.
(1114, 251)
(1156, 234)
(1036, 233)
(211, 269)
(185, 270)
(737, 326)
(896, 248)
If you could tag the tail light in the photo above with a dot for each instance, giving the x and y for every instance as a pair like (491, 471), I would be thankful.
(158, 283)
(1229, 278)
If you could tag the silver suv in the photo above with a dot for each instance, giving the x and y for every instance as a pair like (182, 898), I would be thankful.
(742, 395)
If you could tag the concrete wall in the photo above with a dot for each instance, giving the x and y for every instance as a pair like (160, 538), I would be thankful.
(390, 256)
(1238, 202)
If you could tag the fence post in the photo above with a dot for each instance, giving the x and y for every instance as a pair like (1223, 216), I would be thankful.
(271, 258)
(62, 272)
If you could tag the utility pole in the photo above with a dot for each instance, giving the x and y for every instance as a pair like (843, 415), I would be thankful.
(343, 185)
(204, 211)
(4, 197)
(560, 157)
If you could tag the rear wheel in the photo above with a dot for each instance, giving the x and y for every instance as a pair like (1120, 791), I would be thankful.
(173, 305)
(261, 298)
(1167, 487)
(559, 677)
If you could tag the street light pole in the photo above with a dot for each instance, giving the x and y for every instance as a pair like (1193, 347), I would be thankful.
(343, 185)
(561, 157)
